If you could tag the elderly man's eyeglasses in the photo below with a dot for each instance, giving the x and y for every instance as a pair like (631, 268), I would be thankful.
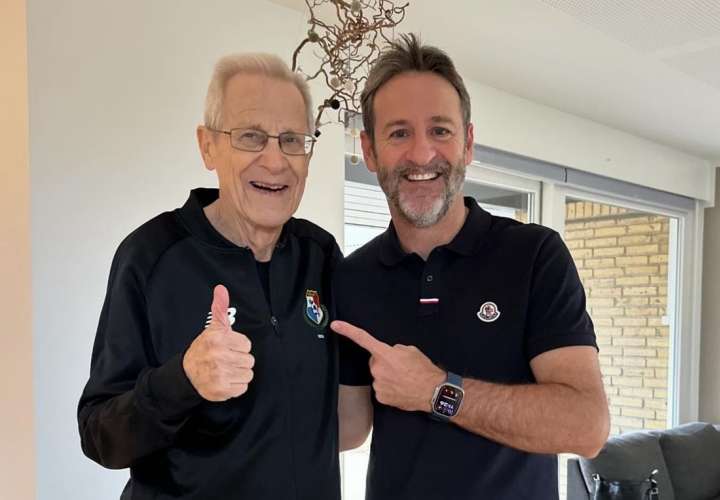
(253, 140)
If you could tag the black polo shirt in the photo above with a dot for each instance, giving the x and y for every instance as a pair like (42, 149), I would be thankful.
(139, 410)
(482, 306)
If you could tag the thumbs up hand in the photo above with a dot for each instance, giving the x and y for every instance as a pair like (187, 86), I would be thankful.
(218, 362)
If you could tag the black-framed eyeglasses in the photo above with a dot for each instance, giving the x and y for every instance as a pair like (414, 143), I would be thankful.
(254, 141)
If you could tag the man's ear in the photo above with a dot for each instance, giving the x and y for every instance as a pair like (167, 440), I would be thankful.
(368, 148)
(469, 144)
(206, 143)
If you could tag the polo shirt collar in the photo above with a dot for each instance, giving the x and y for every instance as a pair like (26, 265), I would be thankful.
(466, 242)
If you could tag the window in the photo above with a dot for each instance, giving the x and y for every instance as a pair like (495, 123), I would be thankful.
(627, 260)
(623, 258)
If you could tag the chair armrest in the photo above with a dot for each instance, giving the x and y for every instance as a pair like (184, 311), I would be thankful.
(576, 489)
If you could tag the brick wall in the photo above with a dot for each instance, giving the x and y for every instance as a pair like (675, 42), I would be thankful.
(622, 259)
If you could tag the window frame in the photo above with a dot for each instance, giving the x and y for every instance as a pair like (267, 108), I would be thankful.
(684, 299)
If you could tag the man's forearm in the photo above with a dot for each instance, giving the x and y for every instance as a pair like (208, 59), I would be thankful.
(355, 415)
(117, 431)
(565, 411)
(539, 418)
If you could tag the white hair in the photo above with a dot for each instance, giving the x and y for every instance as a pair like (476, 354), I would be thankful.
(250, 64)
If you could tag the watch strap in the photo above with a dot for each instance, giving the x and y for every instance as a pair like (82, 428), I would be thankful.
(454, 379)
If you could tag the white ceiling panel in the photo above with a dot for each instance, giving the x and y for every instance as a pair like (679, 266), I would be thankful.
(702, 64)
(648, 67)
(647, 25)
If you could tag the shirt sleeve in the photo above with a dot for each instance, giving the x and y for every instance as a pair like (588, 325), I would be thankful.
(354, 367)
(354, 364)
(557, 315)
(131, 406)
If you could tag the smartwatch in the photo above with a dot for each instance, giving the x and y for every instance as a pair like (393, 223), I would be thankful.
(447, 398)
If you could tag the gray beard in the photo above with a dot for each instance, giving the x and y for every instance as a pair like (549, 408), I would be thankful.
(453, 177)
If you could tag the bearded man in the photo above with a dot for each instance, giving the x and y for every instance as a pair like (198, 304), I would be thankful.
(467, 345)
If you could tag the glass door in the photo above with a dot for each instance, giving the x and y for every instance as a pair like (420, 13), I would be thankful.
(627, 258)
(503, 194)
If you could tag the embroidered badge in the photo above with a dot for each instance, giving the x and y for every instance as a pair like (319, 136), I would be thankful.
(315, 313)
(488, 312)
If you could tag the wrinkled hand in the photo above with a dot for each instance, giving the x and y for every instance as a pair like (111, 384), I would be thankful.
(218, 362)
(403, 376)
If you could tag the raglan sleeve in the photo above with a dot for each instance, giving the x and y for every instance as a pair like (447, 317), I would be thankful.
(131, 406)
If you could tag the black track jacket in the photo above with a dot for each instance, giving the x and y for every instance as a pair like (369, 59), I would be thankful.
(278, 440)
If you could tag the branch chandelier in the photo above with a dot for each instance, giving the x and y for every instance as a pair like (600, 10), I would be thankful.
(346, 48)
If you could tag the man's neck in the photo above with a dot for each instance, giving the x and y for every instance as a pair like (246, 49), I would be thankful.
(241, 232)
(422, 240)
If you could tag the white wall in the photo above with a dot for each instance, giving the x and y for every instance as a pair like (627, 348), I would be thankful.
(710, 344)
(116, 91)
(511, 123)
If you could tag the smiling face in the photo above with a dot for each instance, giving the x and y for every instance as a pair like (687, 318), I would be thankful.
(421, 146)
(262, 188)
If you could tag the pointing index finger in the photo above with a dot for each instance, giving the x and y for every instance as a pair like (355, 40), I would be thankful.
(360, 337)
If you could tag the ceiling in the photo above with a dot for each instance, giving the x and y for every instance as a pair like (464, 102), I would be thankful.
(649, 67)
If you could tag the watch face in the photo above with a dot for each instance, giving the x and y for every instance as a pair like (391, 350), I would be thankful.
(448, 400)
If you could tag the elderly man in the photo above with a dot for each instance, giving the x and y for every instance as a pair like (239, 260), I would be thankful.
(482, 359)
(227, 391)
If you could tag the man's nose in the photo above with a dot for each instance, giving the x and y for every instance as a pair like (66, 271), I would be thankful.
(273, 159)
(422, 151)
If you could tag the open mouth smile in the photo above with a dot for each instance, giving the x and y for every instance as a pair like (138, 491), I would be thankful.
(429, 176)
(268, 188)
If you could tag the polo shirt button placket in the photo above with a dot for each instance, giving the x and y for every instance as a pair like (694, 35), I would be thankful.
(429, 301)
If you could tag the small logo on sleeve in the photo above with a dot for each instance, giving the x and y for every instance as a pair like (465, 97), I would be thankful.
(488, 312)
(315, 313)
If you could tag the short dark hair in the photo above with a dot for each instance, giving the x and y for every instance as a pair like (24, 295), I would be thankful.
(408, 54)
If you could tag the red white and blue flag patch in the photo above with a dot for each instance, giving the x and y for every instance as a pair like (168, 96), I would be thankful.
(315, 312)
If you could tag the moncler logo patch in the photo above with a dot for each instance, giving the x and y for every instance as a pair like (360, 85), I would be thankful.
(488, 312)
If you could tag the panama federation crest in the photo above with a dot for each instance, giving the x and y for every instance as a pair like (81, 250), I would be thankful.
(488, 312)
(315, 312)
